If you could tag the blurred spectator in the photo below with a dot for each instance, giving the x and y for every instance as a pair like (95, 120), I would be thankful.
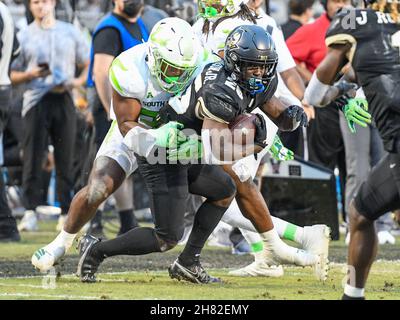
(300, 13)
(151, 16)
(118, 31)
(51, 51)
(9, 48)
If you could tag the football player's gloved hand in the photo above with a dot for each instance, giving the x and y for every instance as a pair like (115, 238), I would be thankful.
(342, 101)
(191, 149)
(346, 87)
(169, 135)
(279, 152)
(356, 111)
(298, 114)
(260, 137)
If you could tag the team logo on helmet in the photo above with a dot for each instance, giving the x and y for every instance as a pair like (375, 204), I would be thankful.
(233, 40)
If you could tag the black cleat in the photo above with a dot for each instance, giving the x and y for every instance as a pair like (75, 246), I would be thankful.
(195, 273)
(88, 264)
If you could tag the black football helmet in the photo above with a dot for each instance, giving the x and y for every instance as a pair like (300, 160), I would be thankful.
(250, 46)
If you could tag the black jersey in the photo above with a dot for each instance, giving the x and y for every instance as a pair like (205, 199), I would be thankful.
(214, 95)
(375, 39)
(375, 57)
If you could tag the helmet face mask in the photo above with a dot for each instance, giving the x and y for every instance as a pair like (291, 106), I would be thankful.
(173, 54)
(251, 58)
(255, 76)
(171, 78)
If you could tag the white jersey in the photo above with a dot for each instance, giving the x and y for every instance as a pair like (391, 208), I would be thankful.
(130, 76)
(216, 41)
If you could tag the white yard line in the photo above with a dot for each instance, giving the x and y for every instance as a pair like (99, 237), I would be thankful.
(28, 295)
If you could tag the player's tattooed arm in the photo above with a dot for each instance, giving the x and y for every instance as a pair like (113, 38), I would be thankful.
(287, 118)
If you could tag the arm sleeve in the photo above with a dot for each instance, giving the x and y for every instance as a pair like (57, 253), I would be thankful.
(102, 43)
(299, 45)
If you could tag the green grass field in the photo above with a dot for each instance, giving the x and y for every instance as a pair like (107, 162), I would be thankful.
(146, 277)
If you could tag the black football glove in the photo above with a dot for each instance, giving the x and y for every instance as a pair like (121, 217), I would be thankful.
(260, 138)
(346, 87)
(297, 114)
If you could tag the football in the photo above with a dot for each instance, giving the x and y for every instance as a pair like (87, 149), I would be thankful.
(243, 128)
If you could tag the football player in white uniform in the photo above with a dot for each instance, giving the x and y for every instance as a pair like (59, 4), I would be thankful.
(133, 75)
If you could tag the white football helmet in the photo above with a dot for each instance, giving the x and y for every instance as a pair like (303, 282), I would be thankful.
(214, 9)
(174, 53)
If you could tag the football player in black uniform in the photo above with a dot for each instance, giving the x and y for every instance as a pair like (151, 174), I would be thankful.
(219, 94)
(370, 39)
(245, 80)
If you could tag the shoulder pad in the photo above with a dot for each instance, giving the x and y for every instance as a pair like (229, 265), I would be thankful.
(218, 104)
(346, 26)
(126, 78)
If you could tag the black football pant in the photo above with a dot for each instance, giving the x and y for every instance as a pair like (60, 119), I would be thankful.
(169, 186)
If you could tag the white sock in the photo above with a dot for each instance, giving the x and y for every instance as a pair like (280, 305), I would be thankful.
(283, 252)
(353, 291)
(288, 230)
(234, 217)
(64, 239)
(253, 239)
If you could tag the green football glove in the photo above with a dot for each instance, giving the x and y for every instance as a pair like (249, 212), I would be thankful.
(356, 111)
(191, 149)
(279, 152)
(169, 135)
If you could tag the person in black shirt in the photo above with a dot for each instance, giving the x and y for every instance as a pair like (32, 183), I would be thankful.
(300, 12)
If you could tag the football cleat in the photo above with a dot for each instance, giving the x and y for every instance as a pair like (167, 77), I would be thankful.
(47, 257)
(195, 273)
(88, 264)
(258, 269)
(316, 240)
